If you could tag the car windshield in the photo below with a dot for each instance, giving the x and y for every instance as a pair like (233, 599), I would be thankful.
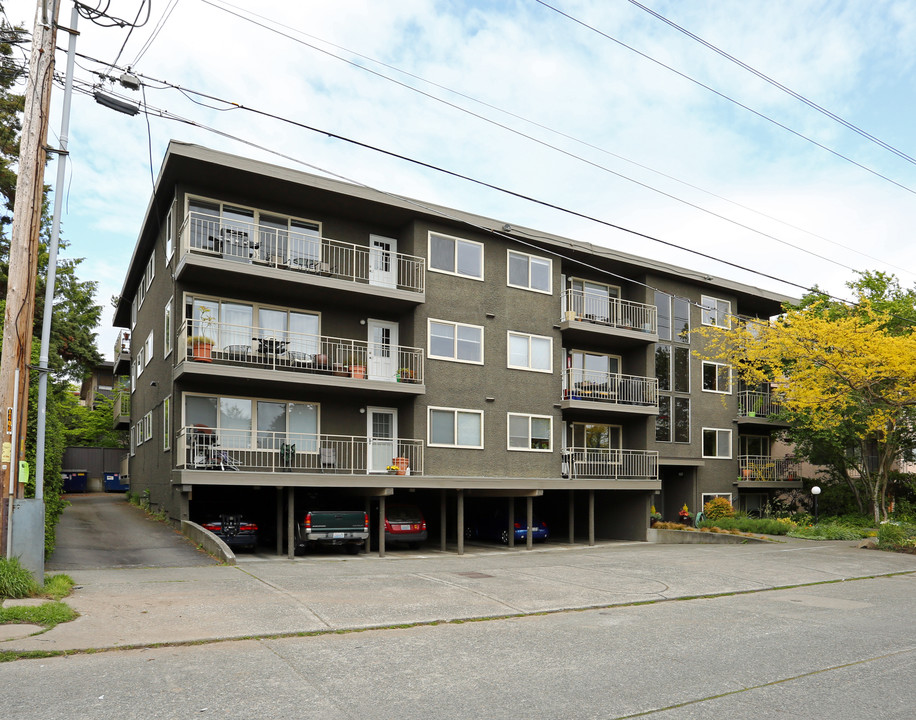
(404, 514)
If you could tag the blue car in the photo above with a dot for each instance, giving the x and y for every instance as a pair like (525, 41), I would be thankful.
(495, 527)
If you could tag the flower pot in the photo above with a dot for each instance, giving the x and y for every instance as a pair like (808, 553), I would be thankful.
(401, 463)
(202, 352)
(358, 371)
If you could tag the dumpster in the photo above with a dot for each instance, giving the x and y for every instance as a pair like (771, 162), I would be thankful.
(113, 483)
(75, 481)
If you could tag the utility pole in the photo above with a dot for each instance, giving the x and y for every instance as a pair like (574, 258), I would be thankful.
(24, 241)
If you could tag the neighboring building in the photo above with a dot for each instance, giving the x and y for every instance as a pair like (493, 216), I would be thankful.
(99, 382)
(292, 337)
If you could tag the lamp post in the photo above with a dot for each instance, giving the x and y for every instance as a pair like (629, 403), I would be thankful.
(815, 491)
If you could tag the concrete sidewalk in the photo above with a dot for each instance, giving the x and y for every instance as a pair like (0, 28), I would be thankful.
(264, 597)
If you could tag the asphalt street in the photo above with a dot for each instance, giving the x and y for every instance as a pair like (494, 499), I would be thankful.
(794, 629)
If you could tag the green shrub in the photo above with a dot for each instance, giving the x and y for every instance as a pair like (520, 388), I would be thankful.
(828, 531)
(763, 526)
(15, 580)
(892, 535)
(718, 507)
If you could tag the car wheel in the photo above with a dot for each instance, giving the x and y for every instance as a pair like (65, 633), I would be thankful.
(299, 550)
(352, 549)
(413, 545)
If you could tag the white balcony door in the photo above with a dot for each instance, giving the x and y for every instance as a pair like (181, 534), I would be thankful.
(383, 350)
(383, 261)
(382, 433)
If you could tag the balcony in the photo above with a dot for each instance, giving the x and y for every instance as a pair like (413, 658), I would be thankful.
(584, 314)
(236, 350)
(610, 464)
(230, 451)
(590, 390)
(253, 253)
(758, 408)
(121, 408)
(758, 469)
(121, 353)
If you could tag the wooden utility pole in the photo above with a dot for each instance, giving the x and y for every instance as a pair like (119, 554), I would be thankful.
(24, 240)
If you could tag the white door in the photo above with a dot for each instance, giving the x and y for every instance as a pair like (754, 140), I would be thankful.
(382, 433)
(383, 261)
(383, 350)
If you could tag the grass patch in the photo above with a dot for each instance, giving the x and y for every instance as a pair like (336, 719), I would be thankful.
(15, 580)
(57, 587)
(47, 615)
(828, 531)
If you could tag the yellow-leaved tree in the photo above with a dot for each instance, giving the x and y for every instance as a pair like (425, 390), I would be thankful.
(845, 377)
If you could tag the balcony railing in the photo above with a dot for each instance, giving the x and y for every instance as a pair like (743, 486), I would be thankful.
(122, 344)
(610, 388)
(612, 464)
(757, 404)
(228, 450)
(306, 252)
(759, 467)
(610, 312)
(250, 346)
(121, 403)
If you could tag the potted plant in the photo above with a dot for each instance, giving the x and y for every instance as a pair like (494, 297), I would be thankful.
(202, 345)
(654, 516)
(685, 516)
(392, 469)
(404, 375)
(357, 366)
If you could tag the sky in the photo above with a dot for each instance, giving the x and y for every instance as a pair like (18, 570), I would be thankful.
(596, 107)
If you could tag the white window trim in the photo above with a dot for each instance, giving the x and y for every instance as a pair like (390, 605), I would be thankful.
(530, 417)
(706, 497)
(549, 261)
(257, 212)
(456, 325)
(133, 313)
(429, 427)
(455, 273)
(167, 329)
(139, 362)
(149, 354)
(150, 270)
(169, 237)
(710, 305)
(166, 421)
(529, 337)
(717, 365)
(717, 430)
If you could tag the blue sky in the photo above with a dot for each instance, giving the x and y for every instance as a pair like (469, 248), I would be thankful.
(564, 84)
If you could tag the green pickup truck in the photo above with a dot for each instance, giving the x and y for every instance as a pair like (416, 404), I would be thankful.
(349, 528)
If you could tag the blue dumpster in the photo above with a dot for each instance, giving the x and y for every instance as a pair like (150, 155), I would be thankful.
(113, 483)
(75, 481)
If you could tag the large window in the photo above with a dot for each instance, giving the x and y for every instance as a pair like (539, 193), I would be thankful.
(756, 445)
(672, 424)
(530, 272)
(716, 312)
(672, 368)
(234, 328)
(717, 377)
(593, 301)
(242, 423)
(455, 256)
(530, 352)
(455, 341)
(166, 423)
(451, 427)
(169, 237)
(167, 329)
(530, 432)
(717, 443)
(596, 436)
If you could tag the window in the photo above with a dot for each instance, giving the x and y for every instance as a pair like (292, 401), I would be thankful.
(455, 428)
(138, 431)
(140, 363)
(169, 238)
(681, 326)
(594, 301)
(672, 424)
(455, 256)
(716, 312)
(709, 496)
(150, 270)
(166, 423)
(455, 341)
(148, 426)
(663, 304)
(530, 272)
(530, 352)
(148, 350)
(717, 377)
(133, 440)
(292, 424)
(133, 313)
(756, 445)
(672, 368)
(530, 432)
(717, 443)
(167, 329)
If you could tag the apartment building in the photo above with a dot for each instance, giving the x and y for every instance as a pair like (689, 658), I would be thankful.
(293, 340)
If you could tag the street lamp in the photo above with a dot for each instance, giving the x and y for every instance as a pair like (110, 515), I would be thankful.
(815, 491)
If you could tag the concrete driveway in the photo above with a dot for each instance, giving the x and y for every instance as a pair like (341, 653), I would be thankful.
(102, 530)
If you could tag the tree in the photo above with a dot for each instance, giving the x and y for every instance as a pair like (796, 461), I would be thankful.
(846, 379)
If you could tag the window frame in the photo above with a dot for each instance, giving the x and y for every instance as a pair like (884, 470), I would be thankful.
(458, 241)
(169, 235)
(711, 310)
(148, 347)
(529, 257)
(166, 423)
(456, 411)
(167, 328)
(531, 439)
(717, 431)
(529, 337)
(455, 326)
(719, 367)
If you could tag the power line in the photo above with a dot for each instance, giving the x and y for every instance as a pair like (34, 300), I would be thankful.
(810, 103)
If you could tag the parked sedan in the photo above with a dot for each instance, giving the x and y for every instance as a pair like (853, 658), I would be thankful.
(405, 523)
(235, 531)
(495, 527)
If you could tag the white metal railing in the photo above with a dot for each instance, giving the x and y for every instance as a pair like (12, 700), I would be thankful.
(249, 242)
(612, 312)
(610, 388)
(234, 344)
(232, 450)
(613, 464)
(752, 403)
(122, 344)
(760, 467)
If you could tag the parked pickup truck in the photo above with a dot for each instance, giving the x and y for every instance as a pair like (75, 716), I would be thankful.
(349, 528)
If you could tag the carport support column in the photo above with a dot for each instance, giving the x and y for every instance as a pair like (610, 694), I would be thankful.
(290, 523)
(381, 526)
(279, 495)
(460, 521)
(572, 517)
(591, 517)
(443, 518)
(367, 546)
(511, 529)
(529, 512)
